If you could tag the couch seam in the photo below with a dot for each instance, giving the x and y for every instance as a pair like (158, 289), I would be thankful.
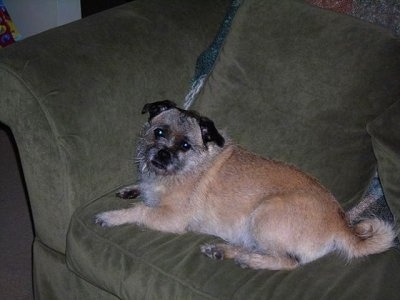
(129, 254)
(58, 253)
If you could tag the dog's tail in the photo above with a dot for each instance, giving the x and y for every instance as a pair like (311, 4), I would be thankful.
(369, 236)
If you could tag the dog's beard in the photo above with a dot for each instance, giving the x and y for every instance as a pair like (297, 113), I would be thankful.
(150, 163)
(159, 161)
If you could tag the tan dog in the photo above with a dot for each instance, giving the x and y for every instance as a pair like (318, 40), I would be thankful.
(272, 215)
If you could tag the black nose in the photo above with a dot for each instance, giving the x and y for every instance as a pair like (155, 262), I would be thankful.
(162, 159)
(164, 156)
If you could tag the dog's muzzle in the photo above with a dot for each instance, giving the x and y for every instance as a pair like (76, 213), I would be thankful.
(162, 159)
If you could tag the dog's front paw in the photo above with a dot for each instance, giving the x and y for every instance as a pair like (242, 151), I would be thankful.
(128, 192)
(212, 251)
(106, 219)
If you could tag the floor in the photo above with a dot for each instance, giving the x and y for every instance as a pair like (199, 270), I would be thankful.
(16, 234)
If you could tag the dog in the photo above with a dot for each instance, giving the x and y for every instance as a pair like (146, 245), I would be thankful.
(271, 214)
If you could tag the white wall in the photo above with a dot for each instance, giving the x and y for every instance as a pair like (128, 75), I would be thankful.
(34, 16)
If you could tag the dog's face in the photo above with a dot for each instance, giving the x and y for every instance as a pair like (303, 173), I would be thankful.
(175, 141)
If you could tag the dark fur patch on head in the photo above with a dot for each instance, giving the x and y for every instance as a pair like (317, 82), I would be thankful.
(156, 108)
(209, 132)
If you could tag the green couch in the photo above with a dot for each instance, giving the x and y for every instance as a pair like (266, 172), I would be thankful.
(293, 82)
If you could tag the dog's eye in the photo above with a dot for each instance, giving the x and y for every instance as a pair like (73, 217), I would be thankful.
(159, 133)
(185, 146)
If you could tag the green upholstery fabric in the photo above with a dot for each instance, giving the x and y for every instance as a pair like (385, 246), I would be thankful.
(54, 281)
(292, 82)
(136, 263)
(71, 97)
(385, 133)
(301, 83)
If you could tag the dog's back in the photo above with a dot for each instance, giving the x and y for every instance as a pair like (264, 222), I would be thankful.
(274, 210)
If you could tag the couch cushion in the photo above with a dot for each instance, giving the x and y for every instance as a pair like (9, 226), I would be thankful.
(137, 263)
(299, 84)
(72, 97)
(385, 133)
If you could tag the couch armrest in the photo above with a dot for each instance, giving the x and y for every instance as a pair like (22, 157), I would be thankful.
(72, 98)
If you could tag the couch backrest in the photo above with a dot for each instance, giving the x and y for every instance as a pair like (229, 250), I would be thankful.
(300, 84)
(72, 97)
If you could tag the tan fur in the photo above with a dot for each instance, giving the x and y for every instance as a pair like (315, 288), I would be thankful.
(272, 215)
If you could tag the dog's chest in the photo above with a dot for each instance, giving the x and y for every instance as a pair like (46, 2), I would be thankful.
(152, 194)
(165, 194)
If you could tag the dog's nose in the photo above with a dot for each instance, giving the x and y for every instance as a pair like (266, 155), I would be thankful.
(162, 159)
(164, 155)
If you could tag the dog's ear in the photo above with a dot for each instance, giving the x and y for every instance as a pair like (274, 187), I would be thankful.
(209, 132)
(156, 108)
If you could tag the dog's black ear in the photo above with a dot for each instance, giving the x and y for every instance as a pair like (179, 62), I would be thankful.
(156, 108)
(209, 132)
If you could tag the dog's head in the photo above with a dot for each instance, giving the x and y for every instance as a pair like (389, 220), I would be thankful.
(175, 141)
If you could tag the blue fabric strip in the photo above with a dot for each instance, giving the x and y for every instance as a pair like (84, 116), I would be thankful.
(207, 59)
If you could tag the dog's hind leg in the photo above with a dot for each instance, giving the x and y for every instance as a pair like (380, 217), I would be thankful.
(247, 259)
(222, 251)
(266, 261)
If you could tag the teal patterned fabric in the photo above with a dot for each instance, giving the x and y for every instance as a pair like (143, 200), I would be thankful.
(207, 59)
